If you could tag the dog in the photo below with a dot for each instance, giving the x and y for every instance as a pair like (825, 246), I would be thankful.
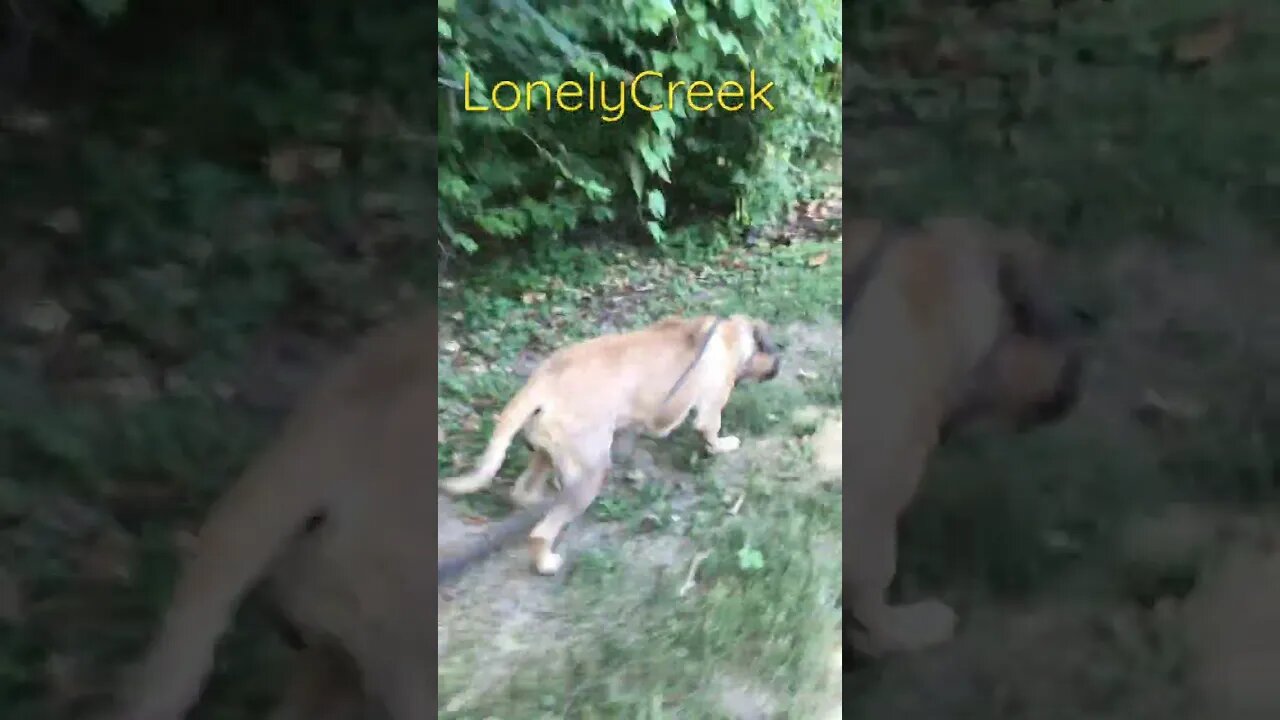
(329, 520)
(946, 325)
(649, 379)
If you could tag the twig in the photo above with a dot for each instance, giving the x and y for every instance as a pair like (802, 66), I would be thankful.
(738, 505)
(689, 584)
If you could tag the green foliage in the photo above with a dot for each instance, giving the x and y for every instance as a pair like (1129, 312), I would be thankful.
(538, 173)
(104, 10)
(1076, 118)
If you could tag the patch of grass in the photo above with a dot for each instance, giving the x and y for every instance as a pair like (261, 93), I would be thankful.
(1012, 515)
(762, 616)
(763, 611)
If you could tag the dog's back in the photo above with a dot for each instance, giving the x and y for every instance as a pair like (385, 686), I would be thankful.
(590, 380)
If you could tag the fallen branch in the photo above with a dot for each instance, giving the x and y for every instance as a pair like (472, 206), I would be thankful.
(689, 583)
(738, 505)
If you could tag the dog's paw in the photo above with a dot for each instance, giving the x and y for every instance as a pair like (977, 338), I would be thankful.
(549, 563)
(906, 628)
(922, 625)
(526, 499)
(725, 444)
(461, 485)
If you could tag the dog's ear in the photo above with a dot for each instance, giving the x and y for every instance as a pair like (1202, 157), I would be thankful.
(1036, 308)
(692, 329)
(763, 337)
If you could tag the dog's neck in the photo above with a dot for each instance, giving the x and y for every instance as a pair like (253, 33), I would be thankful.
(702, 349)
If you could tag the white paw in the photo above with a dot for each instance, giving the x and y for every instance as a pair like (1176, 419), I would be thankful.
(460, 485)
(525, 499)
(549, 563)
(921, 625)
(725, 444)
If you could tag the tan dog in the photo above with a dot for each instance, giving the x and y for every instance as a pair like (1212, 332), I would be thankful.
(580, 396)
(948, 324)
(332, 513)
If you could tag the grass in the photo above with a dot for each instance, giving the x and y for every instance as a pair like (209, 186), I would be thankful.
(763, 617)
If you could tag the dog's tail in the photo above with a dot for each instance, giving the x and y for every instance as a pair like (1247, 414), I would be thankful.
(513, 417)
(244, 532)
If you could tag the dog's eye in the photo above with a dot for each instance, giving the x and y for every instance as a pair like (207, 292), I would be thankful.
(1023, 320)
(1086, 319)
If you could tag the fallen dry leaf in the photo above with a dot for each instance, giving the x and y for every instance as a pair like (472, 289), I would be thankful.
(1209, 43)
(287, 165)
(819, 259)
(46, 317)
(284, 166)
(129, 388)
(64, 221)
(531, 297)
(325, 160)
(30, 122)
(475, 520)
(1156, 406)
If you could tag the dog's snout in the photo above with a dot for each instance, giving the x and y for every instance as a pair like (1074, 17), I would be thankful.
(1085, 320)
(773, 369)
(1065, 395)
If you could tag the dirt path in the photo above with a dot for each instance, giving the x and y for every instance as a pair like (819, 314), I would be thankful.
(1233, 628)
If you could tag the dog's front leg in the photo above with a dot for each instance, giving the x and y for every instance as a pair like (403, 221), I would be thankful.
(878, 498)
(708, 421)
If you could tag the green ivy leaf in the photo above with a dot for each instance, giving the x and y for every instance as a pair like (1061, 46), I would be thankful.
(657, 204)
(104, 10)
(637, 176)
(465, 242)
(663, 120)
(764, 11)
(750, 558)
(656, 232)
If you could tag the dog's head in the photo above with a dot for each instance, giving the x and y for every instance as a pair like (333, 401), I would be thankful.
(1033, 372)
(760, 355)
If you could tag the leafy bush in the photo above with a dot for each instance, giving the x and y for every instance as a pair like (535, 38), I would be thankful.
(1085, 119)
(536, 174)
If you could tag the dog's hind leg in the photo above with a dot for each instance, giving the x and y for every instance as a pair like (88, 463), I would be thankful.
(583, 479)
(530, 486)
